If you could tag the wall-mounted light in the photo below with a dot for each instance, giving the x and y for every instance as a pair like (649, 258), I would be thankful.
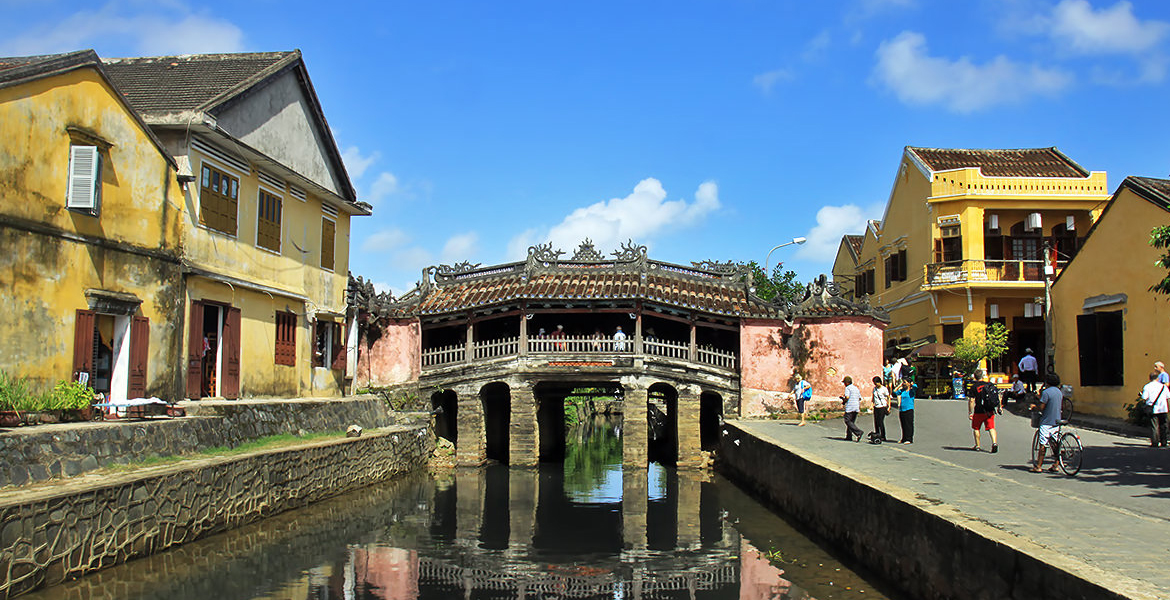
(1070, 223)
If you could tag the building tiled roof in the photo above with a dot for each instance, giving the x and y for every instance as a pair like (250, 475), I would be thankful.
(170, 84)
(1153, 189)
(713, 288)
(855, 242)
(1022, 162)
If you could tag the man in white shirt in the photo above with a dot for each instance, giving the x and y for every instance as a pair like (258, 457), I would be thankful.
(1017, 391)
(619, 340)
(1155, 395)
(1029, 370)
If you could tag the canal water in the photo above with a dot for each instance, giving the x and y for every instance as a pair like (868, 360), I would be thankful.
(584, 529)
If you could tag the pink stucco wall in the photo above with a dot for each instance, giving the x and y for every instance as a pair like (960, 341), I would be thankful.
(821, 350)
(394, 357)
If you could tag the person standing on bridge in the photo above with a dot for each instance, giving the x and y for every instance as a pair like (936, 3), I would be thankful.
(801, 393)
(881, 408)
(619, 340)
(852, 400)
(905, 401)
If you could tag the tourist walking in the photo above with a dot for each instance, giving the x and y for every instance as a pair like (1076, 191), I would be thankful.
(1029, 370)
(801, 393)
(852, 400)
(888, 372)
(1049, 407)
(1158, 400)
(881, 408)
(982, 405)
(1163, 376)
(905, 400)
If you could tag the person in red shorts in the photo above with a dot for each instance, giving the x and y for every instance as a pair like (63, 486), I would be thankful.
(982, 405)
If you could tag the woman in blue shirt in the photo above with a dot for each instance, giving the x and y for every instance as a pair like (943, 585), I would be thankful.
(905, 401)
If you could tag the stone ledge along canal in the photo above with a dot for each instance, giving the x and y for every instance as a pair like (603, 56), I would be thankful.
(582, 529)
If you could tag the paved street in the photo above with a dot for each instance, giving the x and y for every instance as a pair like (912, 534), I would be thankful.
(1114, 515)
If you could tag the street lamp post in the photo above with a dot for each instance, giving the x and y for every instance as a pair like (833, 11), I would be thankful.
(795, 240)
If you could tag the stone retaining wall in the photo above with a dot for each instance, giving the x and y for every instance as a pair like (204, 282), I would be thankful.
(43, 452)
(51, 535)
(923, 549)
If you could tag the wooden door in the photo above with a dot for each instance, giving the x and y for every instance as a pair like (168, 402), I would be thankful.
(229, 386)
(195, 351)
(139, 353)
(83, 343)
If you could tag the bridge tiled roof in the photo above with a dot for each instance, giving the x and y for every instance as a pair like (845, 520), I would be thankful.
(721, 289)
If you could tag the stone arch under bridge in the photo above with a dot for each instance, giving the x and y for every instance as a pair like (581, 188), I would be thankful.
(684, 346)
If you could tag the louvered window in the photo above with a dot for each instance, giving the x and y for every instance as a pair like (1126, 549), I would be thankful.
(328, 233)
(286, 338)
(268, 221)
(218, 200)
(85, 179)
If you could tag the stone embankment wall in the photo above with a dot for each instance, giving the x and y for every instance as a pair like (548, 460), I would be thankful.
(916, 545)
(34, 454)
(51, 535)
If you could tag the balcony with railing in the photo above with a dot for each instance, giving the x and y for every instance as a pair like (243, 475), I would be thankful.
(579, 347)
(986, 271)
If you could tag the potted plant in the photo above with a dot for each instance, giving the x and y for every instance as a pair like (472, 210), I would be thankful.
(12, 389)
(30, 406)
(72, 400)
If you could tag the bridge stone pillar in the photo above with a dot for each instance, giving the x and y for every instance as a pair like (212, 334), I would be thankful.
(522, 448)
(689, 456)
(635, 429)
(635, 493)
(471, 449)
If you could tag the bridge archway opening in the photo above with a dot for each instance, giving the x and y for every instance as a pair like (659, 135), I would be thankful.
(662, 421)
(710, 418)
(561, 405)
(443, 406)
(496, 400)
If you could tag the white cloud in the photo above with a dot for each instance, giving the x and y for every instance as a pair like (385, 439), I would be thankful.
(832, 223)
(769, 80)
(1109, 30)
(172, 28)
(639, 216)
(385, 240)
(905, 68)
(355, 163)
(815, 48)
(385, 185)
(460, 247)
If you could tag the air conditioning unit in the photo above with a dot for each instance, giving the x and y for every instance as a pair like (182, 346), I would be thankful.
(1033, 222)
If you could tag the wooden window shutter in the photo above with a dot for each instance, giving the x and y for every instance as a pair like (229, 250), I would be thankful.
(286, 338)
(229, 385)
(328, 232)
(195, 351)
(339, 357)
(1111, 347)
(83, 343)
(85, 170)
(887, 269)
(1087, 348)
(139, 354)
(903, 266)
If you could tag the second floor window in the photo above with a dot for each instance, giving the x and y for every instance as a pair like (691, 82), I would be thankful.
(218, 200)
(268, 221)
(328, 233)
(85, 179)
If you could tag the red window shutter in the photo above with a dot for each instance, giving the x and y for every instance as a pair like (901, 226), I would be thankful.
(230, 384)
(195, 351)
(286, 338)
(83, 343)
(338, 347)
(139, 353)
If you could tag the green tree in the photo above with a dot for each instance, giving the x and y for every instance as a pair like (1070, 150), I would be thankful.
(1160, 239)
(781, 285)
(985, 342)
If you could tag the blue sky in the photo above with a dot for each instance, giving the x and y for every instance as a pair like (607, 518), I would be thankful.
(704, 130)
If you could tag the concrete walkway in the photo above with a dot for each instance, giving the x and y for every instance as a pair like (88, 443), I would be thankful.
(1114, 516)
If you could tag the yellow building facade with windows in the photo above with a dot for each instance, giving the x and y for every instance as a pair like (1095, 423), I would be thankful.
(962, 244)
(1108, 327)
(90, 225)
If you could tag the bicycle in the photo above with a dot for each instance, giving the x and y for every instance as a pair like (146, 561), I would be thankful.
(1066, 448)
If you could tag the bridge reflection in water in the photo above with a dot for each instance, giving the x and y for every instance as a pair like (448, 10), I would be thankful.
(587, 529)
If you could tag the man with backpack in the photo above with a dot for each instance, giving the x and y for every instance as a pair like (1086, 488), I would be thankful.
(982, 406)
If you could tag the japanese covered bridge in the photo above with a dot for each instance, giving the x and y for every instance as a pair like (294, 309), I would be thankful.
(497, 349)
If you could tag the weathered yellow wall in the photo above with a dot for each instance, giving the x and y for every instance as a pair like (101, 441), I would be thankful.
(131, 247)
(1116, 259)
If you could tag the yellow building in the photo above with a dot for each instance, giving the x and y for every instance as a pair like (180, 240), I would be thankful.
(960, 243)
(1108, 327)
(90, 221)
(265, 228)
